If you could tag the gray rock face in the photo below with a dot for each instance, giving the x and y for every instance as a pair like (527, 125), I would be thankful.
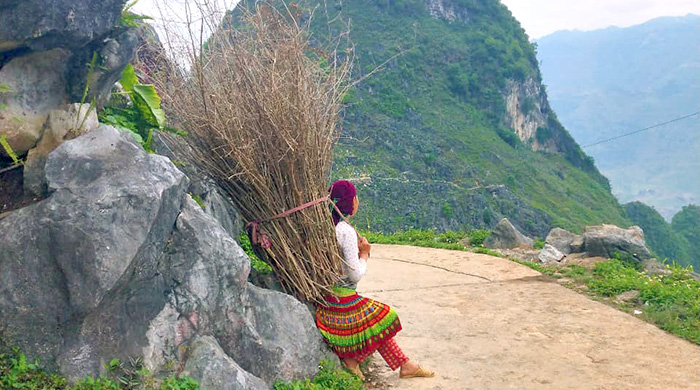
(214, 370)
(506, 236)
(41, 25)
(605, 240)
(63, 124)
(279, 343)
(38, 86)
(561, 239)
(118, 261)
(550, 254)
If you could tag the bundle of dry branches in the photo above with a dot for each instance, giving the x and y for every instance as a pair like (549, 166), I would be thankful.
(261, 107)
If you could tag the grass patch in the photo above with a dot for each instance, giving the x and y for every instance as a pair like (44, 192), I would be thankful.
(670, 301)
(429, 238)
(16, 372)
(329, 377)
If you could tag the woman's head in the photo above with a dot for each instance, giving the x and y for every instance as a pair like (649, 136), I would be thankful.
(343, 194)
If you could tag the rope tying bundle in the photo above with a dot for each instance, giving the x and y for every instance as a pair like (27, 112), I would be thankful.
(257, 237)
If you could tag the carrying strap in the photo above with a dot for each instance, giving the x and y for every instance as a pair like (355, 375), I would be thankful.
(257, 237)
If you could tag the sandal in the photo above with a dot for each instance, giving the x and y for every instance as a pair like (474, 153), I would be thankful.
(420, 373)
(355, 371)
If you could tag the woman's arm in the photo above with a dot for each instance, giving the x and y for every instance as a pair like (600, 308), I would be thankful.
(355, 267)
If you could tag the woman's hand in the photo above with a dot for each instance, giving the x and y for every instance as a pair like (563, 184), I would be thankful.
(364, 246)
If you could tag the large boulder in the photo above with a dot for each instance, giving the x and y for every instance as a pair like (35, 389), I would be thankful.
(120, 262)
(506, 236)
(606, 240)
(561, 239)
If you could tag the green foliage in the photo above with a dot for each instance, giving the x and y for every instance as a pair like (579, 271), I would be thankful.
(129, 19)
(197, 199)
(258, 265)
(6, 89)
(148, 102)
(329, 377)
(8, 150)
(17, 373)
(538, 243)
(686, 223)
(143, 116)
(477, 236)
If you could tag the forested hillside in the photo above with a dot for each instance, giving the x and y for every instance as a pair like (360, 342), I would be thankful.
(454, 131)
(678, 240)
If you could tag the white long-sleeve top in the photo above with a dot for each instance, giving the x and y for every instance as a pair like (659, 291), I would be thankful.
(354, 267)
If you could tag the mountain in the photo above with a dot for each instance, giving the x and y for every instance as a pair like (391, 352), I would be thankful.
(454, 130)
(613, 81)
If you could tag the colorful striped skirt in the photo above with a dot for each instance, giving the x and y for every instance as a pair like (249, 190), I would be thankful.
(353, 325)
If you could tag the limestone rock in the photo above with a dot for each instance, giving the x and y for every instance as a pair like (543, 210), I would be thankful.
(561, 239)
(605, 240)
(37, 83)
(119, 262)
(41, 25)
(279, 344)
(506, 236)
(61, 125)
(214, 370)
(114, 52)
(550, 254)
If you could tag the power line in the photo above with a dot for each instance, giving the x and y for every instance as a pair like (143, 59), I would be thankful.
(644, 129)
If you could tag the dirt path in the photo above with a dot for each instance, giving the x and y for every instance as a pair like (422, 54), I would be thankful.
(515, 329)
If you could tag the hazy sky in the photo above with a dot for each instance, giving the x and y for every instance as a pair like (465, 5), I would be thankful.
(538, 17)
(542, 17)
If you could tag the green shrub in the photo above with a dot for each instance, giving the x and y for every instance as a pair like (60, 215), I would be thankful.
(477, 237)
(329, 377)
(258, 265)
(17, 373)
(538, 243)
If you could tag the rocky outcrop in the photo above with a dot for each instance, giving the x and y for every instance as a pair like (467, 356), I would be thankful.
(216, 370)
(596, 241)
(120, 262)
(61, 125)
(44, 49)
(447, 10)
(37, 84)
(506, 236)
(550, 254)
(606, 240)
(525, 112)
(561, 239)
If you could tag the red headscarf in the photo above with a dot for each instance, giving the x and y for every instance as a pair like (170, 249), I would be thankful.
(342, 194)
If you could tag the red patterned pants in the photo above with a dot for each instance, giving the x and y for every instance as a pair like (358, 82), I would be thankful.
(391, 353)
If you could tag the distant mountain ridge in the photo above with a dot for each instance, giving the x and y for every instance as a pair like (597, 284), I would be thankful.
(613, 81)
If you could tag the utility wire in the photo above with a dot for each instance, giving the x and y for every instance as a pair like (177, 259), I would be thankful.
(644, 129)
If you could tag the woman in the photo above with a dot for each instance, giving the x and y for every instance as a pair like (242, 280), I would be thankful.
(352, 325)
